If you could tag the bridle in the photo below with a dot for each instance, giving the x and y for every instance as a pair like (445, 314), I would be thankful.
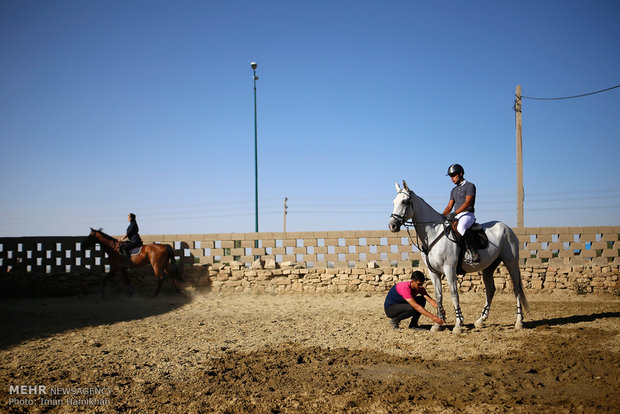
(401, 221)
(400, 218)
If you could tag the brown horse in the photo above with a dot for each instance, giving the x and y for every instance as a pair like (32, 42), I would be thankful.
(160, 256)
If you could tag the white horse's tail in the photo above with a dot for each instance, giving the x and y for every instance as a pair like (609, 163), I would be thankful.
(514, 248)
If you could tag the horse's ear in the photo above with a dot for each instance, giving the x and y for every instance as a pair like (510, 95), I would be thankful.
(397, 187)
(405, 185)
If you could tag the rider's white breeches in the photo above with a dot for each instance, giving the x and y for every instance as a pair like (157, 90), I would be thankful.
(466, 220)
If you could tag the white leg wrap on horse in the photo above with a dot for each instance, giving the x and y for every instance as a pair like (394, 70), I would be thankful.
(459, 315)
(459, 321)
(440, 312)
(483, 316)
(519, 321)
(485, 312)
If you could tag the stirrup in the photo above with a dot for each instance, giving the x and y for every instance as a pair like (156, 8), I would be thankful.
(471, 261)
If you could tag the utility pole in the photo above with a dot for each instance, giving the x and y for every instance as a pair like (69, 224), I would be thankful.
(285, 207)
(520, 195)
(254, 65)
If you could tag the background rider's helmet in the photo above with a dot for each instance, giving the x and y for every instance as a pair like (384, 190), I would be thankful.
(455, 169)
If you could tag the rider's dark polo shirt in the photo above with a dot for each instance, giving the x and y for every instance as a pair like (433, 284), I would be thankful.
(459, 193)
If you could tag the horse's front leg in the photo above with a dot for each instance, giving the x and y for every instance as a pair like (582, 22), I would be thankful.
(436, 279)
(107, 277)
(454, 292)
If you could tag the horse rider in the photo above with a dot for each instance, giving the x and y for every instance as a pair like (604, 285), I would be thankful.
(131, 235)
(462, 199)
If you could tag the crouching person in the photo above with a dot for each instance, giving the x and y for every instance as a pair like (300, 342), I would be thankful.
(407, 300)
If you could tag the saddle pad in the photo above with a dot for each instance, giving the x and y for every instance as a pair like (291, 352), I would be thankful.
(136, 250)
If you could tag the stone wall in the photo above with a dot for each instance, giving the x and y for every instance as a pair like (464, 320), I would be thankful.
(294, 278)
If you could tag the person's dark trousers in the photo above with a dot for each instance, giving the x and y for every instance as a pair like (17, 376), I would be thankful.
(402, 311)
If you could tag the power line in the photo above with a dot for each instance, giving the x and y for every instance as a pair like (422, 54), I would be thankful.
(571, 97)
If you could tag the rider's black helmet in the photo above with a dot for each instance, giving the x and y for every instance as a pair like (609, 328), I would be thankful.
(455, 169)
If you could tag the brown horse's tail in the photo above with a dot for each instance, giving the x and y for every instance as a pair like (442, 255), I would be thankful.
(176, 272)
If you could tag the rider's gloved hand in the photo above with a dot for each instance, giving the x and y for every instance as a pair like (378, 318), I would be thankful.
(450, 217)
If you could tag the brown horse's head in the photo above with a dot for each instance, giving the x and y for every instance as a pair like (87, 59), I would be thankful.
(91, 239)
(96, 236)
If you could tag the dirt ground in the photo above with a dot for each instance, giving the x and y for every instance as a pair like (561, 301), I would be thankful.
(305, 353)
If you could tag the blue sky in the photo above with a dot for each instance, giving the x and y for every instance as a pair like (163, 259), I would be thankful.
(108, 107)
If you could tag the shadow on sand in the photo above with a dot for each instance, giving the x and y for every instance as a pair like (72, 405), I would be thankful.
(570, 319)
(544, 322)
(33, 318)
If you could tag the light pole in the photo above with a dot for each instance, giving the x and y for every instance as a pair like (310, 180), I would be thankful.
(253, 65)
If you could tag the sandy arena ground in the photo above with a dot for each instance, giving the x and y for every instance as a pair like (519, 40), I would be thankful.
(306, 353)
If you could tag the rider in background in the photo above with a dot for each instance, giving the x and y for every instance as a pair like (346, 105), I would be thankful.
(132, 235)
(462, 199)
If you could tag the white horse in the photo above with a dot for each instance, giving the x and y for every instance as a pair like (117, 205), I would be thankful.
(441, 254)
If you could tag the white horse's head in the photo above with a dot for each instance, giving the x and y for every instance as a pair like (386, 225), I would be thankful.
(403, 208)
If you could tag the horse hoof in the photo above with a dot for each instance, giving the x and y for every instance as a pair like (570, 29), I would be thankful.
(435, 328)
(457, 330)
(519, 325)
(479, 323)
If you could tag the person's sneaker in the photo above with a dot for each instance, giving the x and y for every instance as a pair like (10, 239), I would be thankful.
(394, 323)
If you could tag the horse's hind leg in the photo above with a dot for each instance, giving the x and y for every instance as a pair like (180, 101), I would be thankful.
(515, 275)
(159, 282)
(489, 287)
(159, 275)
(175, 281)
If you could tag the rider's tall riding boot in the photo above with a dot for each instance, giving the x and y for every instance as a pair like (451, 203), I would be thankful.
(470, 243)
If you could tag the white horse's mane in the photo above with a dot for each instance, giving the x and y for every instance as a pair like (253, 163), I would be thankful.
(427, 213)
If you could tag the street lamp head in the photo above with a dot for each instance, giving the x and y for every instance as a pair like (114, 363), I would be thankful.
(253, 64)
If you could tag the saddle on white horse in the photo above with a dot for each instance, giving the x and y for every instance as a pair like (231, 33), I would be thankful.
(478, 236)
(475, 237)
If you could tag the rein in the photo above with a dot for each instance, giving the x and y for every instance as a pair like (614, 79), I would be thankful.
(424, 249)
(408, 224)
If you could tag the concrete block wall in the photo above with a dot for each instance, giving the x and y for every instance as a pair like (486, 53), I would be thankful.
(539, 246)
(546, 249)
